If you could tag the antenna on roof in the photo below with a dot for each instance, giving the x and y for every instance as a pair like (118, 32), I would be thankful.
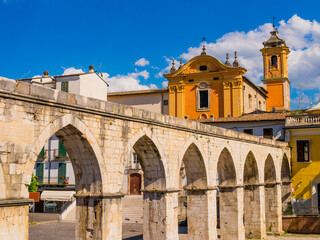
(310, 102)
(99, 67)
(27, 73)
(300, 98)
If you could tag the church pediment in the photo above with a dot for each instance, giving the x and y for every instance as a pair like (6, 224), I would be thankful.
(202, 64)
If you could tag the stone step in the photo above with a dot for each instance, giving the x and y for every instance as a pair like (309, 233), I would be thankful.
(132, 209)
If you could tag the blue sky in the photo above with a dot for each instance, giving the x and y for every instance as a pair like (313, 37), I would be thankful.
(55, 35)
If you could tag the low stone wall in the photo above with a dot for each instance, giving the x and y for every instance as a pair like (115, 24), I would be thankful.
(301, 224)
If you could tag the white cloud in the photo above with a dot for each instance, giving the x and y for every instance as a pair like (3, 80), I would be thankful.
(165, 70)
(128, 82)
(302, 36)
(142, 62)
(165, 84)
(72, 70)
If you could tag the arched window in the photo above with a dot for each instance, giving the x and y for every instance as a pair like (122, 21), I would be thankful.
(203, 116)
(260, 105)
(274, 62)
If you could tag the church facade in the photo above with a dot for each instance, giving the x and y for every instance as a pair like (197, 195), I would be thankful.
(205, 87)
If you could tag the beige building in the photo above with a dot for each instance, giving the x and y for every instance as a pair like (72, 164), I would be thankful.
(154, 100)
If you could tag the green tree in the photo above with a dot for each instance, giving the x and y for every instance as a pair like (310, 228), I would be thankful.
(33, 187)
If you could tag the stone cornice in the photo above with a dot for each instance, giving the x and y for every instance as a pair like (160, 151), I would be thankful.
(15, 202)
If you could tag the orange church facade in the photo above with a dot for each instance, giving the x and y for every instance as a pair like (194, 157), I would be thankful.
(204, 87)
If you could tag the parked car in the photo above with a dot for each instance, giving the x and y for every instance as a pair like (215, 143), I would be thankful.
(51, 206)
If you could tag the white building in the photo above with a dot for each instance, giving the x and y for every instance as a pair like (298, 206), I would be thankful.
(89, 84)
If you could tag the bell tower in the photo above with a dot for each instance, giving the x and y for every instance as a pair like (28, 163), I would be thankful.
(275, 66)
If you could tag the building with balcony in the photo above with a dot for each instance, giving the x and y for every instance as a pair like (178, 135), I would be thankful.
(303, 135)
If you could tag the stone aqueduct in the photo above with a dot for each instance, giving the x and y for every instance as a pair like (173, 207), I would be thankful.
(253, 173)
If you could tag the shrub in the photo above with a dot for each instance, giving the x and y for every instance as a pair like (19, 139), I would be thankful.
(33, 187)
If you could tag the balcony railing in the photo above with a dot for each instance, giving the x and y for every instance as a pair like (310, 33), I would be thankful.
(303, 120)
(53, 180)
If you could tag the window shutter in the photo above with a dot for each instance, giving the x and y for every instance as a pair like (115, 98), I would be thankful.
(62, 150)
(62, 172)
(41, 154)
(300, 151)
(65, 86)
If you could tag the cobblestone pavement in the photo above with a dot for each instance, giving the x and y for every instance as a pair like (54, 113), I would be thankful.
(295, 237)
(49, 229)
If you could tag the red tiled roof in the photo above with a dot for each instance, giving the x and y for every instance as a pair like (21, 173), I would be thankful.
(270, 116)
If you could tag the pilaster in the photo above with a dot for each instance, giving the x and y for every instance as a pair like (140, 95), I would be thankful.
(172, 101)
(237, 99)
(180, 101)
(226, 98)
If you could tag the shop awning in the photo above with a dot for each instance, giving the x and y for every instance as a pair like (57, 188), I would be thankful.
(62, 196)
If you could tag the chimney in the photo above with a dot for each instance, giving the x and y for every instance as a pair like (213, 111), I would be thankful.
(46, 74)
(91, 68)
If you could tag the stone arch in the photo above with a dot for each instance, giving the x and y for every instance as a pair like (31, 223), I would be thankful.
(2, 184)
(89, 169)
(269, 170)
(286, 184)
(196, 178)
(285, 169)
(134, 139)
(228, 211)
(226, 169)
(271, 196)
(151, 163)
(195, 168)
(250, 172)
(253, 216)
(83, 149)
